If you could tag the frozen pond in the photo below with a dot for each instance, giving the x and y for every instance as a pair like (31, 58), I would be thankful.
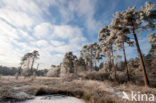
(54, 99)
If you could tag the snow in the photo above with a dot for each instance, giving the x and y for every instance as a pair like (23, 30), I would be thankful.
(22, 95)
(115, 91)
(54, 99)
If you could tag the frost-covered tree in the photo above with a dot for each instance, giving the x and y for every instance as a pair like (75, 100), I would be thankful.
(93, 50)
(106, 44)
(68, 61)
(137, 21)
(148, 15)
(84, 53)
(117, 57)
(152, 41)
(98, 55)
(104, 33)
(119, 33)
(35, 55)
(90, 54)
(25, 63)
(80, 62)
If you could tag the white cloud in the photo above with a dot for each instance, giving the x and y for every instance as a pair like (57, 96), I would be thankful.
(25, 35)
(66, 31)
(17, 19)
(8, 55)
(72, 41)
(43, 30)
(57, 43)
(8, 31)
(42, 43)
(93, 26)
(21, 5)
(49, 59)
(35, 8)
(84, 9)
(23, 29)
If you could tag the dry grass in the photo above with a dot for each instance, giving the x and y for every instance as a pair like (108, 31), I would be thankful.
(91, 91)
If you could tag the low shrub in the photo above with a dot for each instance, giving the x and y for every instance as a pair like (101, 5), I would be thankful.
(5, 94)
(97, 76)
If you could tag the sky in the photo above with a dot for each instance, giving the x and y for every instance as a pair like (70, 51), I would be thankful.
(54, 27)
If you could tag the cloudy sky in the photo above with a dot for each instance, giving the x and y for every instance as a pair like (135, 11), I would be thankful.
(54, 27)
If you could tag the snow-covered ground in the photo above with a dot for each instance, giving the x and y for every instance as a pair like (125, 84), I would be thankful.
(53, 99)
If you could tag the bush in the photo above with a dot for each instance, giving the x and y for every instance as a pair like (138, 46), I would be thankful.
(5, 93)
(97, 76)
(16, 76)
(54, 72)
(70, 76)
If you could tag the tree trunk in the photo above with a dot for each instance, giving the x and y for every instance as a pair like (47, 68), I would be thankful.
(113, 61)
(32, 63)
(123, 46)
(91, 60)
(95, 64)
(75, 69)
(146, 81)
(28, 63)
(37, 66)
(19, 70)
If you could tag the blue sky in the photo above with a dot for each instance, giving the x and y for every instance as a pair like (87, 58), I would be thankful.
(56, 26)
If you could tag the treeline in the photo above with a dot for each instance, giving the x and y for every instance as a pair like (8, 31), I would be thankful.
(8, 70)
(12, 71)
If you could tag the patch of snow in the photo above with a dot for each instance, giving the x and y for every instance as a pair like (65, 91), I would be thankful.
(54, 99)
(22, 96)
(115, 91)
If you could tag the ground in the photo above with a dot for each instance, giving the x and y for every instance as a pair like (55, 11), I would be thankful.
(92, 91)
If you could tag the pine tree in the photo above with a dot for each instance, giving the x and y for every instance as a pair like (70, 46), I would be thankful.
(106, 43)
(68, 61)
(119, 33)
(137, 21)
